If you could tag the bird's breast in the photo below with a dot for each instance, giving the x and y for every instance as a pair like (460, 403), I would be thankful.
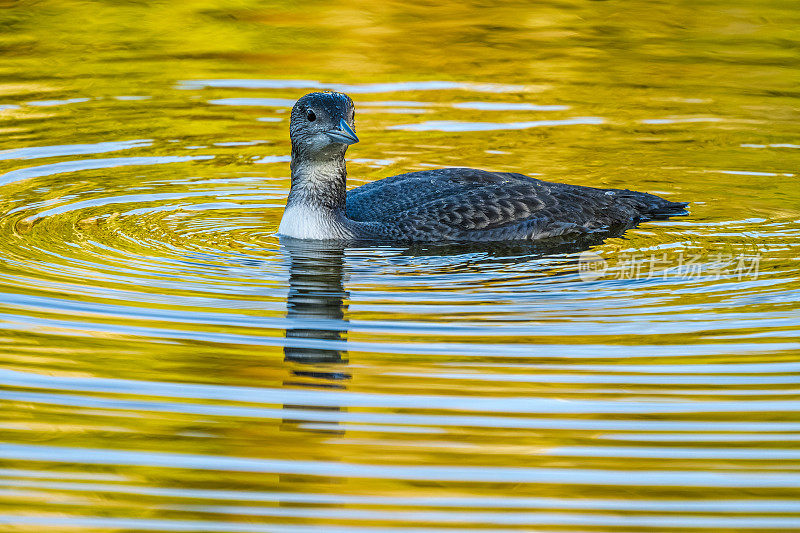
(304, 222)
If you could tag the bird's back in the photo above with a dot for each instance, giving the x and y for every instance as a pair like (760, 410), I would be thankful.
(475, 205)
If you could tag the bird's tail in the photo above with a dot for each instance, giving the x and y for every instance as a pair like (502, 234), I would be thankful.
(667, 208)
(650, 205)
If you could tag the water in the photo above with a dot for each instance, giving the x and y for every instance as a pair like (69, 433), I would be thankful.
(168, 365)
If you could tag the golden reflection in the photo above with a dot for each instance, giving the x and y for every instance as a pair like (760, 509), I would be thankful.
(147, 308)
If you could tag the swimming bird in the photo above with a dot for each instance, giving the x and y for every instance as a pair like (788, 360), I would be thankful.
(439, 205)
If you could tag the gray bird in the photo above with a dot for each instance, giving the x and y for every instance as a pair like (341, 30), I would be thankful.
(441, 205)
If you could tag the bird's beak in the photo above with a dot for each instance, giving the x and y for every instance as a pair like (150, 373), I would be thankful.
(344, 134)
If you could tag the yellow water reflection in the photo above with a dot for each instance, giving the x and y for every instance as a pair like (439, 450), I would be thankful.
(167, 364)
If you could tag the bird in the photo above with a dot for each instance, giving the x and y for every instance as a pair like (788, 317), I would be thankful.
(447, 205)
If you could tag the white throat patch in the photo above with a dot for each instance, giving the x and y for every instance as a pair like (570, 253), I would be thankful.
(304, 222)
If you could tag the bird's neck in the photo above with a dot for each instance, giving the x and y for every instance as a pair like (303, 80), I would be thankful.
(319, 183)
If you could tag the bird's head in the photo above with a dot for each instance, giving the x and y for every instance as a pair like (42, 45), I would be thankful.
(322, 125)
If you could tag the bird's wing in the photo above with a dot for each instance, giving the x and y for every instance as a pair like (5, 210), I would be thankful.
(471, 204)
(461, 204)
(385, 198)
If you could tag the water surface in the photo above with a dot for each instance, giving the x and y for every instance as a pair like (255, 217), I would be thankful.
(167, 364)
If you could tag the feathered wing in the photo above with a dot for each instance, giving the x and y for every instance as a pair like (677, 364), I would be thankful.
(382, 199)
(476, 205)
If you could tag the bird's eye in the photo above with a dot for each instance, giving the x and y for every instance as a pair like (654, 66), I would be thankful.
(311, 116)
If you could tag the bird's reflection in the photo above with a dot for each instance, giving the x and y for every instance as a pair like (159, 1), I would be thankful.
(315, 348)
(521, 251)
(315, 337)
(315, 311)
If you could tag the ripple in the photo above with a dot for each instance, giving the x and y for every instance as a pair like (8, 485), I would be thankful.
(365, 88)
(274, 159)
(240, 143)
(454, 125)
(508, 106)
(396, 103)
(356, 421)
(775, 145)
(681, 120)
(407, 472)
(52, 103)
(92, 164)
(751, 173)
(261, 102)
(336, 399)
(374, 163)
(36, 152)
(445, 502)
